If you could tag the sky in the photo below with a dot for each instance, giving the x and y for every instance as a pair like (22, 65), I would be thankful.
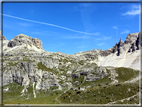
(72, 27)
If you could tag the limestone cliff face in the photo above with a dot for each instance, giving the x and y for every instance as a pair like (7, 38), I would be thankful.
(24, 39)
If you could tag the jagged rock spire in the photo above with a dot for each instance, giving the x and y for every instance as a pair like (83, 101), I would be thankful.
(120, 41)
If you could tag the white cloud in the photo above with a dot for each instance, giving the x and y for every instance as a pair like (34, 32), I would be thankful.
(114, 27)
(50, 25)
(135, 10)
(124, 32)
(132, 12)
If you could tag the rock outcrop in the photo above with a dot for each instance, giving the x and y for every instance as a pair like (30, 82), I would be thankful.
(120, 55)
(131, 38)
(24, 39)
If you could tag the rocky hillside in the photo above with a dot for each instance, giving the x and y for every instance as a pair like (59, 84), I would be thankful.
(21, 42)
(32, 75)
(125, 54)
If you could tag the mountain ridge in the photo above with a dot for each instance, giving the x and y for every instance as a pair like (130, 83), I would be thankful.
(32, 73)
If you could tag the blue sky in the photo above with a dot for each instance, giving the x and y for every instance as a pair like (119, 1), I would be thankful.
(71, 27)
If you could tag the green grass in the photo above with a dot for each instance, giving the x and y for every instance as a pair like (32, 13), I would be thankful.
(44, 68)
(45, 98)
(99, 94)
(12, 63)
(13, 96)
(13, 93)
(132, 100)
(125, 74)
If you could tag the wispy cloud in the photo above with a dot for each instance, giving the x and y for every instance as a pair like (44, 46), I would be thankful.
(114, 27)
(76, 37)
(104, 38)
(50, 25)
(41, 33)
(101, 44)
(60, 45)
(135, 10)
(124, 32)
(25, 24)
(82, 46)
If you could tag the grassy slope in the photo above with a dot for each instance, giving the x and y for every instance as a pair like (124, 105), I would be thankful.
(125, 74)
(100, 94)
(108, 93)
(13, 96)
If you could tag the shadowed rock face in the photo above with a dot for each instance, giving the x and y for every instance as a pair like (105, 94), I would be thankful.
(24, 39)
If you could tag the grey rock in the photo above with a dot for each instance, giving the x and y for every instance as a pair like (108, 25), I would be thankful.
(24, 39)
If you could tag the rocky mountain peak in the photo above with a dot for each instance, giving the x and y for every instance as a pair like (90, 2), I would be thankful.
(21, 36)
(24, 39)
(120, 41)
(131, 38)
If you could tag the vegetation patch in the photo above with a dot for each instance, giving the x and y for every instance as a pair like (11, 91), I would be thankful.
(125, 74)
(42, 67)
(12, 63)
(13, 93)
(99, 94)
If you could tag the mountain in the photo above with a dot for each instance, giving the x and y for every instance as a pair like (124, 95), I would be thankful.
(34, 76)
(125, 54)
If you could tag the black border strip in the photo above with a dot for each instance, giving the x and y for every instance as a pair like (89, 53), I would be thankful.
(1, 55)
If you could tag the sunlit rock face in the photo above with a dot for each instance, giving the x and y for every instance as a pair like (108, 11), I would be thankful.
(24, 39)
(125, 54)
